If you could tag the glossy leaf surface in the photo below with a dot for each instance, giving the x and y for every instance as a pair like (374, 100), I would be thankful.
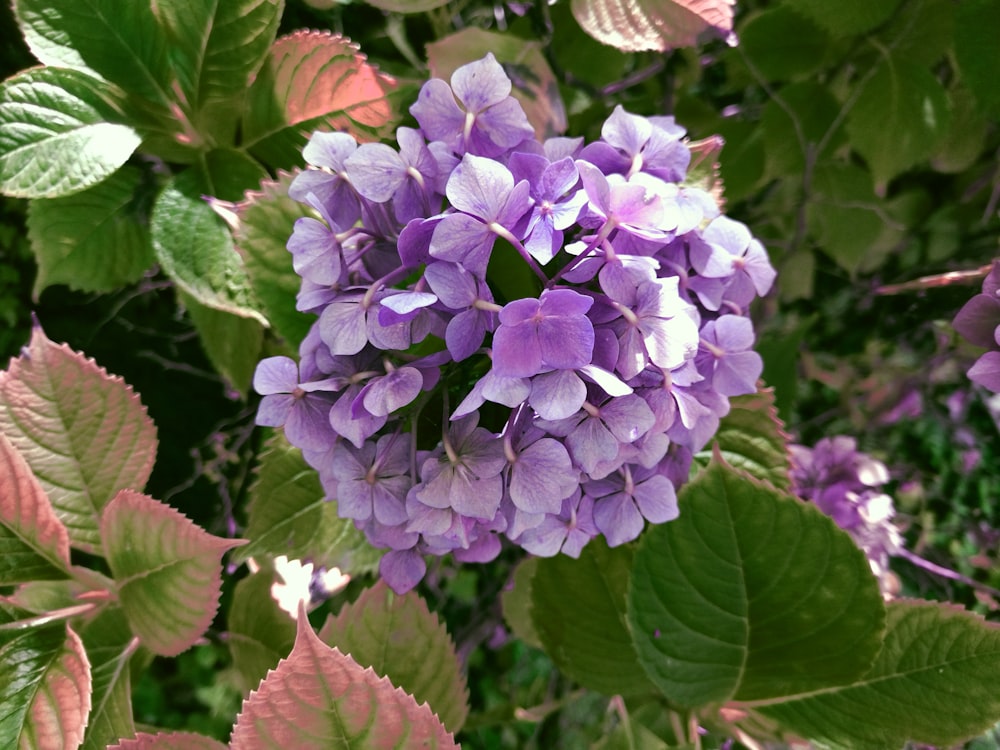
(635, 25)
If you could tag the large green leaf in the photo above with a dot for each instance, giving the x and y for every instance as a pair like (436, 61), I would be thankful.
(977, 52)
(578, 607)
(750, 595)
(319, 698)
(57, 133)
(407, 6)
(44, 685)
(399, 638)
(290, 515)
(934, 682)
(217, 48)
(847, 17)
(120, 41)
(168, 741)
(797, 126)
(635, 25)
(516, 602)
(166, 570)
(264, 222)
(259, 632)
(110, 644)
(783, 45)
(232, 343)
(34, 545)
(84, 433)
(195, 248)
(314, 81)
(93, 241)
(900, 116)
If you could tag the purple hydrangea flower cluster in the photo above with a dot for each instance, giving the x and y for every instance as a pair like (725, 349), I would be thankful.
(979, 322)
(844, 483)
(514, 338)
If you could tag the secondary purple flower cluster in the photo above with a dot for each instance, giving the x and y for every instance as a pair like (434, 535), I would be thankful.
(514, 338)
(979, 322)
(844, 483)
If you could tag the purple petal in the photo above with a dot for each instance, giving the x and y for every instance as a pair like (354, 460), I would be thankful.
(986, 371)
(436, 111)
(342, 327)
(376, 171)
(274, 410)
(657, 499)
(618, 519)
(542, 476)
(402, 569)
(479, 186)
(481, 84)
(276, 375)
(978, 319)
(557, 395)
(393, 391)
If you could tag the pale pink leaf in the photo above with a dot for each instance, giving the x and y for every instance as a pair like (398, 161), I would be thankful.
(169, 741)
(34, 545)
(319, 698)
(166, 568)
(635, 25)
(83, 432)
(58, 712)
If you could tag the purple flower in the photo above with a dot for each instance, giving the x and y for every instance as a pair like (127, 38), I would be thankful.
(567, 532)
(979, 322)
(556, 206)
(373, 480)
(728, 357)
(624, 501)
(552, 331)
(302, 408)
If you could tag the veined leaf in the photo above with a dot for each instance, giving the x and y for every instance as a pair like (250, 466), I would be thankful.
(933, 682)
(319, 698)
(516, 602)
(399, 638)
(34, 545)
(847, 17)
(84, 433)
(93, 241)
(259, 632)
(110, 644)
(977, 52)
(44, 685)
(750, 595)
(264, 222)
(635, 25)
(166, 569)
(57, 133)
(314, 81)
(169, 741)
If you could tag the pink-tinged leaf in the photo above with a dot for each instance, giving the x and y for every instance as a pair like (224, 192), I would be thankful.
(169, 741)
(44, 686)
(399, 638)
(34, 545)
(534, 83)
(167, 570)
(634, 25)
(110, 645)
(319, 698)
(83, 432)
(314, 80)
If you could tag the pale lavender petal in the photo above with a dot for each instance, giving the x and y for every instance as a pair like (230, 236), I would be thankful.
(465, 334)
(558, 394)
(452, 283)
(274, 410)
(402, 569)
(342, 327)
(481, 84)
(515, 354)
(308, 424)
(507, 391)
(276, 375)
(610, 384)
(480, 186)
(437, 112)
(657, 499)
(618, 519)
(393, 391)
(542, 476)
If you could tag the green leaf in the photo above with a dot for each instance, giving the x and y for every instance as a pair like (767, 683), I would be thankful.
(977, 52)
(314, 80)
(534, 83)
(34, 545)
(264, 222)
(121, 42)
(783, 45)
(55, 134)
(796, 123)
(966, 136)
(407, 6)
(319, 698)
(227, 173)
(921, 32)
(93, 241)
(636, 25)
(750, 595)
(217, 47)
(399, 638)
(847, 17)
(84, 433)
(290, 515)
(516, 601)
(110, 644)
(741, 161)
(169, 741)
(934, 682)
(259, 632)
(752, 438)
(232, 343)
(44, 685)
(196, 250)
(166, 570)
(898, 119)
(578, 607)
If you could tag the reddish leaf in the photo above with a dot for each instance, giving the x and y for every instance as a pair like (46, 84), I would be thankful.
(166, 568)
(83, 432)
(314, 80)
(169, 741)
(635, 25)
(34, 544)
(320, 698)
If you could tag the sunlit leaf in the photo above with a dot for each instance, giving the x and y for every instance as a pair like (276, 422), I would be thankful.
(259, 632)
(319, 698)
(934, 682)
(534, 83)
(93, 241)
(83, 432)
(44, 686)
(750, 595)
(110, 644)
(314, 80)
(169, 741)
(166, 568)
(635, 25)
(399, 638)
(58, 133)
